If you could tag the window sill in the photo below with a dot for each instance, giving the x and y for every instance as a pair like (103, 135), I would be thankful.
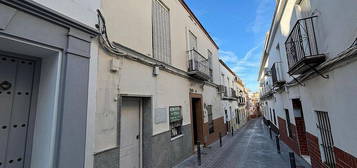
(176, 137)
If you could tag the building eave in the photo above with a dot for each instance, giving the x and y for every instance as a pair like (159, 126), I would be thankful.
(48, 14)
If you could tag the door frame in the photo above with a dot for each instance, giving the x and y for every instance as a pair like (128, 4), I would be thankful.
(200, 125)
(33, 102)
(141, 120)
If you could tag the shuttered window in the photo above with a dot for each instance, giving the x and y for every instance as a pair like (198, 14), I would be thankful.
(161, 32)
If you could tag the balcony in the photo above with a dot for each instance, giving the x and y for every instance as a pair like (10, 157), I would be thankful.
(277, 74)
(198, 65)
(301, 47)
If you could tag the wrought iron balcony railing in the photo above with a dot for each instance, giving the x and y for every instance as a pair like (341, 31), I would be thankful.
(301, 47)
(198, 65)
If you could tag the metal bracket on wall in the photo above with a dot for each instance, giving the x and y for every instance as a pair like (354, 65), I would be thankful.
(354, 43)
(315, 70)
(300, 83)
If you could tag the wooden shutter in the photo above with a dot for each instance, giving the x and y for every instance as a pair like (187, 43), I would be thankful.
(161, 32)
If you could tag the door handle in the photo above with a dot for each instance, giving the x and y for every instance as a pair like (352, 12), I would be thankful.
(138, 136)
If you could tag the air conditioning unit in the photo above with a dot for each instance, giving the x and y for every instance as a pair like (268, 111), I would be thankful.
(277, 74)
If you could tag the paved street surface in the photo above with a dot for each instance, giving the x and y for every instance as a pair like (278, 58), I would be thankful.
(250, 147)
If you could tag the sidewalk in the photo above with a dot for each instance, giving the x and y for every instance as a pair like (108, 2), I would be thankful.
(250, 147)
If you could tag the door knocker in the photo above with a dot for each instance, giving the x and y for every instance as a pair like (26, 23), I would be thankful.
(5, 85)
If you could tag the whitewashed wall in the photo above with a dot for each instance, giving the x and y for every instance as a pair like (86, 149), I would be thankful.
(132, 28)
(336, 29)
(83, 11)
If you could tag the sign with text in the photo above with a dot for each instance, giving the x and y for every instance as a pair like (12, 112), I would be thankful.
(175, 113)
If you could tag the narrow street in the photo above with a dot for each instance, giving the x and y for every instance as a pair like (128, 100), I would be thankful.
(250, 147)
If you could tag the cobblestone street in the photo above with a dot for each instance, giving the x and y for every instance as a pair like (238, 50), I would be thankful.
(250, 147)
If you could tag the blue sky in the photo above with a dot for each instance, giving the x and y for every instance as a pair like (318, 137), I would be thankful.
(238, 27)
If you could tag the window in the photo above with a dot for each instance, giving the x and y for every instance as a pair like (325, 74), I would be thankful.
(225, 112)
(271, 116)
(238, 117)
(326, 137)
(288, 124)
(274, 117)
(175, 120)
(161, 32)
(210, 119)
(210, 65)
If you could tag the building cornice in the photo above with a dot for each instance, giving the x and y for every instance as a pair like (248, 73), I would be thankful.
(278, 13)
(48, 14)
(227, 67)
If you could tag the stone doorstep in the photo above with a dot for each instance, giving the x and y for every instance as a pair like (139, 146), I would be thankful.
(306, 158)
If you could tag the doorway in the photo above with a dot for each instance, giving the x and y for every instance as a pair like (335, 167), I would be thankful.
(16, 90)
(130, 132)
(300, 126)
(197, 118)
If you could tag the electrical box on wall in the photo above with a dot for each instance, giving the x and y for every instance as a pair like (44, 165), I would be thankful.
(114, 65)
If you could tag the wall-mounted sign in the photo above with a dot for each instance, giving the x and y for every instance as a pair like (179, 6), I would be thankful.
(175, 113)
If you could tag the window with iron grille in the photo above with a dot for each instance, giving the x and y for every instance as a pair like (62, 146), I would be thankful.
(274, 117)
(210, 119)
(288, 124)
(238, 117)
(161, 32)
(326, 139)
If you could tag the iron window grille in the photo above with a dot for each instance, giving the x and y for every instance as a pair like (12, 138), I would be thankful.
(274, 116)
(326, 137)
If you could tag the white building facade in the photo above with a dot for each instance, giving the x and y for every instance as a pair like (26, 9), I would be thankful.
(307, 77)
(233, 98)
(46, 74)
(157, 85)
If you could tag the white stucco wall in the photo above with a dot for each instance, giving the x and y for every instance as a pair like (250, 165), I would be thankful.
(83, 11)
(335, 30)
(132, 28)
